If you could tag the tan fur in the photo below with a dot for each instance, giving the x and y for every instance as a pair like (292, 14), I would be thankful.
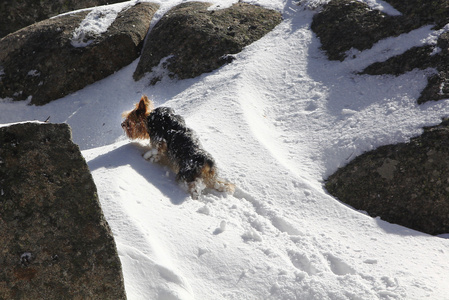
(135, 120)
(213, 182)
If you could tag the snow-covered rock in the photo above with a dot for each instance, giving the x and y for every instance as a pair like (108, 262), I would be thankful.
(346, 28)
(194, 38)
(16, 15)
(71, 51)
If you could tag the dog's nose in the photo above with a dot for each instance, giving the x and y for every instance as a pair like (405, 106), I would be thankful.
(123, 124)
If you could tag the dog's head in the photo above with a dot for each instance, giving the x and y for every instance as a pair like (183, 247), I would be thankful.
(135, 123)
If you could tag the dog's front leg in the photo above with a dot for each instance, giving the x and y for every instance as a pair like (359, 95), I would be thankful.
(157, 153)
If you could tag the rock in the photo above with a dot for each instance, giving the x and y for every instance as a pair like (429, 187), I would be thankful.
(416, 57)
(437, 87)
(407, 183)
(55, 57)
(15, 15)
(190, 39)
(430, 56)
(346, 24)
(55, 241)
(433, 12)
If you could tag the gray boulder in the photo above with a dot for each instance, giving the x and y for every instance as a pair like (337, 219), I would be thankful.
(346, 24)
(406, 184)
(55, 241)
(15, 15)
(54, 58)
(194, 40)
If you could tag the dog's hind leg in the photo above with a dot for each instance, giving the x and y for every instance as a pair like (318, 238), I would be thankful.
(209, 174)
(223, 185)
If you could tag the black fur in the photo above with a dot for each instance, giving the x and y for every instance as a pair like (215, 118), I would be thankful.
(183, 146)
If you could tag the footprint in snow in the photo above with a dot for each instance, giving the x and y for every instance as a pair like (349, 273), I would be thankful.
(338, 266)
(302, 262)
(285, 226)
(251, 235)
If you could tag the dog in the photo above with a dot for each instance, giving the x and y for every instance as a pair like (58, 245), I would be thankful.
(175, 145)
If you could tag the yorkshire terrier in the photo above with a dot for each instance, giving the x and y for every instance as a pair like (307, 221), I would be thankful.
(175, 145)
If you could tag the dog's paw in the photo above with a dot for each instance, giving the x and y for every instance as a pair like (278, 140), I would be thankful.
(151, 155)
(196, 188)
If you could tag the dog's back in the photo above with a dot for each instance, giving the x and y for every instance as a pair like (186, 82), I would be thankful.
(162, 120)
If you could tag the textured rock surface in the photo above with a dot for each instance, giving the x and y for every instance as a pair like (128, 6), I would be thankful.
(346, 24)
(15, 15)
(198, 40)
(407, 183)
(54, 240)
(431, 56)
(40, 60)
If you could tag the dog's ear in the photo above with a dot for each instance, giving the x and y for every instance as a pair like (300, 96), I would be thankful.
(142, 106)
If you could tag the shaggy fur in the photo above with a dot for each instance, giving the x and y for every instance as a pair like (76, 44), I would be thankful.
(175, 145)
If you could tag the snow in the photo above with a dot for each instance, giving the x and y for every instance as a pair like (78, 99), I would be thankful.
(278, 120)
(95, 23)
(382, 6)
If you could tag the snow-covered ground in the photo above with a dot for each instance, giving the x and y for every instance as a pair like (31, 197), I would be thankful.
(278, 120)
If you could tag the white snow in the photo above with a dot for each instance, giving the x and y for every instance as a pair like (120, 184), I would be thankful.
(34, 73)
(382, 6)
(278, 120)
(95, 23)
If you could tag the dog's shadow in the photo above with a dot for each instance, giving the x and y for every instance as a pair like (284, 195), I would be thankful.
(159, 176)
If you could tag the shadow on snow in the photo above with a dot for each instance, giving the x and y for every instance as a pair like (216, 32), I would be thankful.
(131, 154)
